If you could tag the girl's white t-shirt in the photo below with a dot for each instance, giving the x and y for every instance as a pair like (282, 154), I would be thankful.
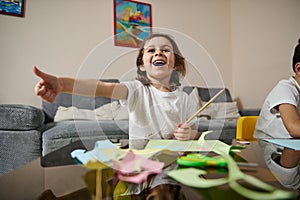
(154, 114)
(269, 123)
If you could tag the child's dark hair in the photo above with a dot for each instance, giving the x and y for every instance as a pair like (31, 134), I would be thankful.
(296, 57)
(180, 67)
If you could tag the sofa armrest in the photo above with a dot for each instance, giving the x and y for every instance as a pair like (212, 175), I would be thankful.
(20, 117)
(249, 112)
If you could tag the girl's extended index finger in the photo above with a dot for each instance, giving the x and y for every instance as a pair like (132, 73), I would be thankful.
(39, 73)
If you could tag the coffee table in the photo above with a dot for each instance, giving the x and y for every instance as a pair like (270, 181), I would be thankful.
(56, 171)
(59, 173)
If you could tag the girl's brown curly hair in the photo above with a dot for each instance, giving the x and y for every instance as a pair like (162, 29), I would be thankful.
(180, 67)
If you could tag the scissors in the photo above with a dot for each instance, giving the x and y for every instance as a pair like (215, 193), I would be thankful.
(201, 161)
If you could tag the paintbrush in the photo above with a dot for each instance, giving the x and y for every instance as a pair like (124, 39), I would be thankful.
(203, 107)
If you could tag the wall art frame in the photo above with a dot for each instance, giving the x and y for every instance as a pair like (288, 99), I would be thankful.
(132, 22)
(12, 7)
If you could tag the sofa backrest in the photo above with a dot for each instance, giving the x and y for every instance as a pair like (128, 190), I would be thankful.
(81, 102)
(206, 94)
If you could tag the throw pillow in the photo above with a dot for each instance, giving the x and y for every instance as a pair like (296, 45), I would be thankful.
(108, 111)
(70, 113)
(222, 110)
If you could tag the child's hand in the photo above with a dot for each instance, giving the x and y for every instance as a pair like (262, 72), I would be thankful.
(184, 132)
(48, 87)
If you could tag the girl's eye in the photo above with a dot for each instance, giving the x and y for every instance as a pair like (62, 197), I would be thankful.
(151, 50)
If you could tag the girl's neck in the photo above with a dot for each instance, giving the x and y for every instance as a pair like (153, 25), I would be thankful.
(161, 87)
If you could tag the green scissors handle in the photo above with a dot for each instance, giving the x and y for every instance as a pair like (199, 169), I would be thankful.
(202, 161)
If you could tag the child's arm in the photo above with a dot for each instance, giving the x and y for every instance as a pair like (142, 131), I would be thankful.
(186, 132)
(50, 86)
(289, 158)
(290, 118)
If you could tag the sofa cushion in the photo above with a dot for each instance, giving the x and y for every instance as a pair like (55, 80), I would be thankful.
(221, 110)
(222, 129)
(216, 124)
(20, 117)
(225, 135)
(81, 102)
(59, 134)
(110, 111)
(72, 113)
(18, 148)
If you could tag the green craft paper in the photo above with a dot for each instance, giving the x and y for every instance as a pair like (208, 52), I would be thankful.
(212, 145)
(269, 192)
(190, 145)
(190, 176)
(173, 145)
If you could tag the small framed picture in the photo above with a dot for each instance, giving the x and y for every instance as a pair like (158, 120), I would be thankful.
(132, 22)
(12, 7)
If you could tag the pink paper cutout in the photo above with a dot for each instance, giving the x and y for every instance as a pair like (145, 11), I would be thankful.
(135, 169)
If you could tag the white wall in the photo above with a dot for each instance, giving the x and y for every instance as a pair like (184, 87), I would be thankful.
(55, 35)
(249, 41)
(264, 35)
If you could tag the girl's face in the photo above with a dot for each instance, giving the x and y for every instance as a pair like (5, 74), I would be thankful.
(158, 59)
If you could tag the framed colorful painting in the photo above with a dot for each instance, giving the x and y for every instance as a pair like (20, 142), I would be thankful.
(12, 7)
(132, 22)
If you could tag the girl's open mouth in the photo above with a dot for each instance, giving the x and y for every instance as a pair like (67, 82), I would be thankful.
(159, 63)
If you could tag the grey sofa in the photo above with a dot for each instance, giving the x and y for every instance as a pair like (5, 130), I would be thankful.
(20, 135)
(27, 132)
